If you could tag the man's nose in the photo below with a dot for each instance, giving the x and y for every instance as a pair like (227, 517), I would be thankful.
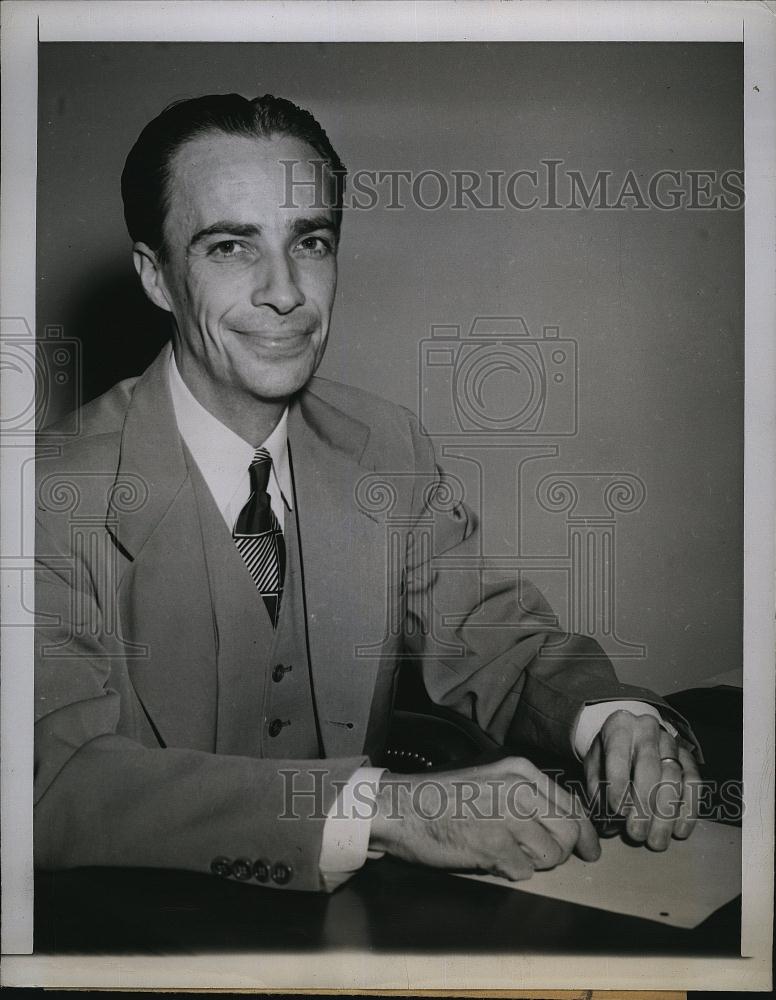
(276, 284)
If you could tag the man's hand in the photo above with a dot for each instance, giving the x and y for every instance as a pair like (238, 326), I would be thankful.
(649, 778)
(505, 818)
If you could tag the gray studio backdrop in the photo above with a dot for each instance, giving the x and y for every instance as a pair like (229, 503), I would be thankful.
(620, 495)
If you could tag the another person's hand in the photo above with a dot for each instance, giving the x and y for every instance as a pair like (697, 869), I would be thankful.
(505, 818)
(649, 778)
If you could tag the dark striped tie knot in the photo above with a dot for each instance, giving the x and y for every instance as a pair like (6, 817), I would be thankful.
(260, 469)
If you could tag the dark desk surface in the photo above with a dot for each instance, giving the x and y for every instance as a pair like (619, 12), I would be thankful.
(389, 906)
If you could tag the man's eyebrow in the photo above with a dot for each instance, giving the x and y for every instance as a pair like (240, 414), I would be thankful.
(309, 224)
(225, 226)
(299, 227)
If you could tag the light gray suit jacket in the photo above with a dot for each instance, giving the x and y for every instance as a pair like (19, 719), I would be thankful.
(143, 755)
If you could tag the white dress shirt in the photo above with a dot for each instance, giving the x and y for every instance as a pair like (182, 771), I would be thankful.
(224, 458)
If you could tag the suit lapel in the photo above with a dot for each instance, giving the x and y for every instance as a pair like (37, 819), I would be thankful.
(342, 550)
(164, 595)
(151, 459)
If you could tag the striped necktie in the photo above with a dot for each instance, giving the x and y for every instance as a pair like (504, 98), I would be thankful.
(259, 538)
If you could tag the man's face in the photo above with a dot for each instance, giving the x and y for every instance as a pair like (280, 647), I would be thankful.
(250, 283)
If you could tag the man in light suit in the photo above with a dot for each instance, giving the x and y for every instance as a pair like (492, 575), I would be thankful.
(221, 625)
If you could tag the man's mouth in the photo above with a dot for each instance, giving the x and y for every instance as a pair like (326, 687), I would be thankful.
(284, 343)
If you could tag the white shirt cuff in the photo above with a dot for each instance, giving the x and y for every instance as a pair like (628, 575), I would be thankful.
(345, 844)
(592, 718)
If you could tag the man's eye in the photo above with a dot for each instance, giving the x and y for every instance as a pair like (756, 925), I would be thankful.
(315, 246)
(228, 250)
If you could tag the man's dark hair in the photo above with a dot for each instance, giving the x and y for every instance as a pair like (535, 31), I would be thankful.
(146, 175)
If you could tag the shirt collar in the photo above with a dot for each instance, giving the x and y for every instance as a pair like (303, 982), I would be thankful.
(223, 457)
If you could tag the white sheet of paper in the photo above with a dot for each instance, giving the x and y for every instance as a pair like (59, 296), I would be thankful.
(681, 886)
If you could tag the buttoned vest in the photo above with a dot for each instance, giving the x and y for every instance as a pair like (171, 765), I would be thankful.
(264, 674)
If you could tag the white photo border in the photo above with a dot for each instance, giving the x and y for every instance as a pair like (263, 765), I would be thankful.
(24, 24)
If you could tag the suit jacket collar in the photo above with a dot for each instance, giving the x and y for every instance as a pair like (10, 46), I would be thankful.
(310, 414)
(152, 449)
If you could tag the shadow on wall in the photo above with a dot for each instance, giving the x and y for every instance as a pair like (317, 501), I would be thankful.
(119, 330)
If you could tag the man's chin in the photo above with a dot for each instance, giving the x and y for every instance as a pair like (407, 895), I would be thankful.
(277, 386)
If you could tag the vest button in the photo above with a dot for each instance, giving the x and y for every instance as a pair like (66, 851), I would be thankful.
(281, 874)
(278, 671)
(275, 726)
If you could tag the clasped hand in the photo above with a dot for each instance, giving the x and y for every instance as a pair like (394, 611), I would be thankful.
(510, 819)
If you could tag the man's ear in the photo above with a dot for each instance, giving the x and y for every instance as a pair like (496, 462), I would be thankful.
(150, 273)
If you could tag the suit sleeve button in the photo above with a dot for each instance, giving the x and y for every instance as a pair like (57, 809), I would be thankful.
(261, 870)
(221, 867)
(242, 869)
(281, 874)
